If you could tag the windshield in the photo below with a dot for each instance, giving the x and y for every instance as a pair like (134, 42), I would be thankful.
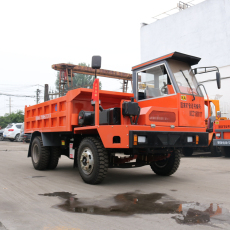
(184, 77)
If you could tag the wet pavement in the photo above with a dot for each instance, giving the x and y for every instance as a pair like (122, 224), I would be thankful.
(195, 197)
(127, 204)
(2, 227)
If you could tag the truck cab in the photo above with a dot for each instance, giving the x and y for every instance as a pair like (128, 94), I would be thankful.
(169, 84)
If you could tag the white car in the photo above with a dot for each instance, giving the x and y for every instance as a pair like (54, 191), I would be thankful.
(12, 132)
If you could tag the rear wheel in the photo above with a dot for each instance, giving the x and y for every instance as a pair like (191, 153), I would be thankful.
(55, 153)
(17, 137)
(40, 154)
(187, 151)
(225, 150)
(1, 137)
(92, 160)
(168, 166)
(215, 150)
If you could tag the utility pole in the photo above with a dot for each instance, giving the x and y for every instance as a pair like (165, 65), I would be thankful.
(38, 96)
(10, 104)
(46, 93)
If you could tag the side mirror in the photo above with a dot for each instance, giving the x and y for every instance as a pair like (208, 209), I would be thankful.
(96, 62)
(218, 80)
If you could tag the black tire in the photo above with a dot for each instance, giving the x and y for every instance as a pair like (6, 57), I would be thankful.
(168, 166)
(17, 138)
(40, 154)
(1, 137)
(215, 150)
(55, 153)
(225, 150)
(92, 160)
(187, 151)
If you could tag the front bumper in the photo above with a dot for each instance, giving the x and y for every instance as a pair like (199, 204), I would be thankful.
(168, 139)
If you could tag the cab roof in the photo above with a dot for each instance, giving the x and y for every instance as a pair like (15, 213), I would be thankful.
(191, 60)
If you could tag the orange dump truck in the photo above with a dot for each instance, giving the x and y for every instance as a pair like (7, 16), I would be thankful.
(221, 129)
(104, 129)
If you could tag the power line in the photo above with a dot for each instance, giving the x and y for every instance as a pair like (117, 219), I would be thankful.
(13, 95)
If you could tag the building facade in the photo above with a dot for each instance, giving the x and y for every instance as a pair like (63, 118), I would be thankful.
(202, 30)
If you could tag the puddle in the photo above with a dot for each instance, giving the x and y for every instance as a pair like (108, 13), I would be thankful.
(196, 213)
(127, 204)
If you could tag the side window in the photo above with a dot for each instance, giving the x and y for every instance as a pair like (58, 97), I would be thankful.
(18, 126)
(154, 82)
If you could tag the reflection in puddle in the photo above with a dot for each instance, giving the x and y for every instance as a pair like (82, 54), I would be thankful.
(127, 204)
(195, 213)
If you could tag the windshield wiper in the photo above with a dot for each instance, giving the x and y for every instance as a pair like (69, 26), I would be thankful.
(189, 85)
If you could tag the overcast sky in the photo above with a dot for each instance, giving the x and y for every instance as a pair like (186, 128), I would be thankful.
(36, 34)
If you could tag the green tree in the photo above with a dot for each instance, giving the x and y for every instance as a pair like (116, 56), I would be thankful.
(17, 117)
(79, 81)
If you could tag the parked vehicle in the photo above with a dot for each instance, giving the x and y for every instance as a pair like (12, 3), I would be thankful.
(222, 135)
(1, 134)
(25, 137)
(150, 126)
(12, 132)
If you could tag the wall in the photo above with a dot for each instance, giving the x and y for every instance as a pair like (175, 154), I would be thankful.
(202, 30)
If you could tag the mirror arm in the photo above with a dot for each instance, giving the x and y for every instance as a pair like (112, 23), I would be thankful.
(206, 95)
(195, 70)
(203, 87)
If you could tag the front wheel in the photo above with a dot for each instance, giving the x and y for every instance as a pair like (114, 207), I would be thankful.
(225, 150)
(215, 150)
(92, 160)
(1, 137)
(168, 166)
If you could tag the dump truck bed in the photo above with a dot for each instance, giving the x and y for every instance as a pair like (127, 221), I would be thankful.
(61, 114)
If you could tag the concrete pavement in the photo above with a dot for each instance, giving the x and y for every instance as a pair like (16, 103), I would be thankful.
(127, 199)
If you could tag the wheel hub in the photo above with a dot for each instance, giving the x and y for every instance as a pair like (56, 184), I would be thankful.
(87, 161)
(162, 163)
(35, 153)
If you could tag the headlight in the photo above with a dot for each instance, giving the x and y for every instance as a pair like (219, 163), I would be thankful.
(141, 139)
